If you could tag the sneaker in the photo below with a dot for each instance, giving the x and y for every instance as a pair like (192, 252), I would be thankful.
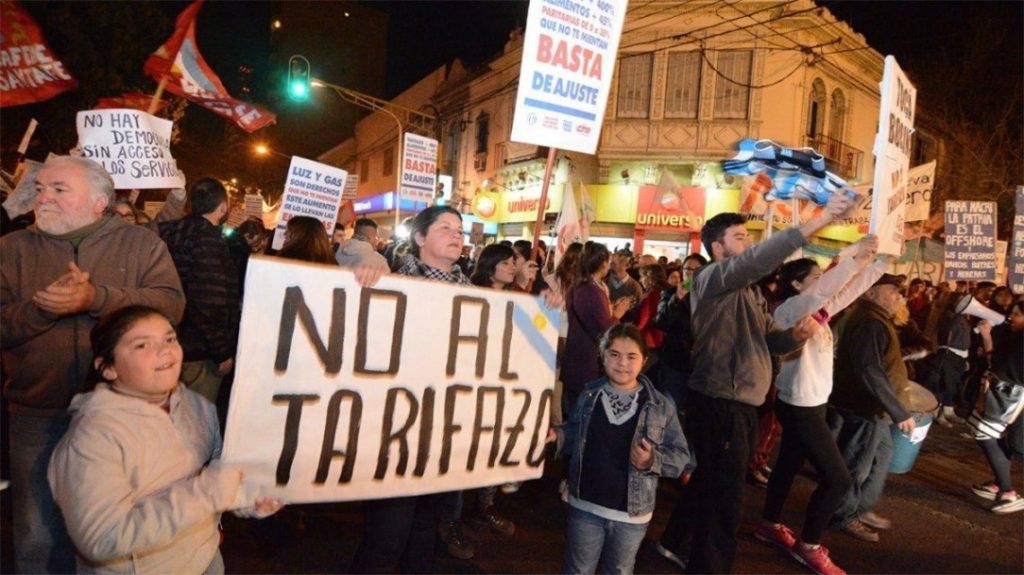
(670, 556)
(875, 521)
(988, 490)
(817, 559)
(487, 519)
(511, 487)
(1007, 503)
(458, 546)
(858, 530)
(758, 478)
(778, 535)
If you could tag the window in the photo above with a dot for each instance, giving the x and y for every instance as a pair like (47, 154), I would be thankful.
(816, 109)
(482, 132)
(732, 87)
(634, 99)
(838, 118)
(451, 147)
(364, 170)
(682, 88)
(389, 161)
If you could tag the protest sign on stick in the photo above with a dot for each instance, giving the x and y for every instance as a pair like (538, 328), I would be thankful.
(133, 146)
(892, 158)
(1015, 276)
(311, 189)
(568, 59)
(970, 241)
(253, 206)
(419, 168)
(409, 387)
(920, 184)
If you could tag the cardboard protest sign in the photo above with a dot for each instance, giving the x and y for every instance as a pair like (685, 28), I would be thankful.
(133, 146)
(253, 206)
(1001, 248)
(1015, 276)
(312, 189)
(409, 387)
(566, 74)
(23, 199)
(920, 183)
(970, 241)
(892, 158)
(350, 191)
(419, 168)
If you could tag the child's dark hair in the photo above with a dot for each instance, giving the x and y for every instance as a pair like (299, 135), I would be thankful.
(791, 271)
(109, 330)
(627, 331)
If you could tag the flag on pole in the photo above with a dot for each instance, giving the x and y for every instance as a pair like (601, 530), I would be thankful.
(29, 70)
(588, 213)
(567, 228)
(133, 100)
(189, 76)
(668, 193)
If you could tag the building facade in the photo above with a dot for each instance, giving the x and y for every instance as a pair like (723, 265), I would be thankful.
(692, 79)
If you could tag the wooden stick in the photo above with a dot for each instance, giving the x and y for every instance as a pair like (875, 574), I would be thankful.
(552, 154)
(154, 104)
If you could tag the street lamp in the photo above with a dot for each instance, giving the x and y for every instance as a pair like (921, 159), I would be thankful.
(263, 150)
(390, 109)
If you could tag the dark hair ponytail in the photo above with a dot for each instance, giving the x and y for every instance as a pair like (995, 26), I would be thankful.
(791, 271)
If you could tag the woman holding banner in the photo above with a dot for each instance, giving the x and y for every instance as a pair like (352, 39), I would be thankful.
(399, 533)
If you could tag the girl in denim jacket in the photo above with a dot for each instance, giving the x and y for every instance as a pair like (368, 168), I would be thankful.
(621, 436)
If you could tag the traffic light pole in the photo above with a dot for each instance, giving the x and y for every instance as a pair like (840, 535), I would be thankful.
(413, 117)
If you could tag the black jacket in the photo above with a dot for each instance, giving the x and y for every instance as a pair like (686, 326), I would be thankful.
(209, 277)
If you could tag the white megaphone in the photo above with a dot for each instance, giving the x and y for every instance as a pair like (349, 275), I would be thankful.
(970, 306)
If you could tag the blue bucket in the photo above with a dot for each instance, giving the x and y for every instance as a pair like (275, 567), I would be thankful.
(906, 447)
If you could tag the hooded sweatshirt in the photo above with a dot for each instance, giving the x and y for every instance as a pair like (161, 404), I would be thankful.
(134, 484)
(356, 252)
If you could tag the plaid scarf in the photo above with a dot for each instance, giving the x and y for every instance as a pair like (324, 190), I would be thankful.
(414, 267)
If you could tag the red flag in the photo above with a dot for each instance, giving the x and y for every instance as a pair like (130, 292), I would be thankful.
(188, 75)
(134, 100)
(29, 71)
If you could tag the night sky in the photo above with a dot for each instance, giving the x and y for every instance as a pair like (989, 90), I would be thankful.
(926, 37)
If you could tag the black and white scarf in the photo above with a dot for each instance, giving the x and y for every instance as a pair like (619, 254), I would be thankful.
(619, 407)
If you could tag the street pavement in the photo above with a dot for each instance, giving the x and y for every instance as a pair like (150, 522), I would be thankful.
(939, 527)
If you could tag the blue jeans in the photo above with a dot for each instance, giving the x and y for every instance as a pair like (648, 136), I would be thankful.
(867, 449)
(592, 539)
(41, 542)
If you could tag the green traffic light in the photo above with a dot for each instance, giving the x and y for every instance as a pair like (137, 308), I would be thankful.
(299, 90)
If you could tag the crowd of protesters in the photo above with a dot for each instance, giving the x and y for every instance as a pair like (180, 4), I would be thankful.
(118, 333)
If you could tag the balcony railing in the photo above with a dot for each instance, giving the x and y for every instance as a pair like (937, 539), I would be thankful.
(842, 159)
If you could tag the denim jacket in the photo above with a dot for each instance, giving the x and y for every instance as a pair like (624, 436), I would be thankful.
(658, 423)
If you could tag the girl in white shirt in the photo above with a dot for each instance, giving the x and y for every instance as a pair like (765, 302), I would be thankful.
(804, 383)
